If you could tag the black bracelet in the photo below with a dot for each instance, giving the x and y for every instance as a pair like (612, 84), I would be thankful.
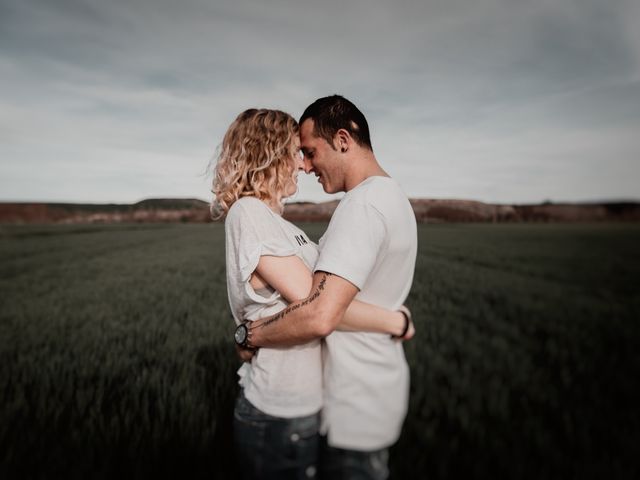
(407, 321)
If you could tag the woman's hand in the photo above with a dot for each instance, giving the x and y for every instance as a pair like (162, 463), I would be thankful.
(411, 329)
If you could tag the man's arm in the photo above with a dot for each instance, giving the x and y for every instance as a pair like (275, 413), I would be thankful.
(315, 316)
(291, 277)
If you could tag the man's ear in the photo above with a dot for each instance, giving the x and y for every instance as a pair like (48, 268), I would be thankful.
(343, 140)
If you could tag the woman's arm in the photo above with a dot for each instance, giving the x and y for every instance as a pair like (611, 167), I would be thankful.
(366, 317)
(291, 277)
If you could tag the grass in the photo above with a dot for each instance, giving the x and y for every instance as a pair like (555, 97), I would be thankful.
(116, 356)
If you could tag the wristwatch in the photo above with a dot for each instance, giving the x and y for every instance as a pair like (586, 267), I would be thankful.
(242, 335)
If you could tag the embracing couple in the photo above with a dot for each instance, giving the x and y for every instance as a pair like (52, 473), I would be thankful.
(325, 387)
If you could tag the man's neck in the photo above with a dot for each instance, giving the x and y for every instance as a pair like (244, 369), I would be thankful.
(365, 167)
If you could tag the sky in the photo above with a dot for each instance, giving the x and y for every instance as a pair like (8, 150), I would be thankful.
(501, 101)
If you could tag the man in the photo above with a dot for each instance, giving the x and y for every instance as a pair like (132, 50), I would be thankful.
(368, 252)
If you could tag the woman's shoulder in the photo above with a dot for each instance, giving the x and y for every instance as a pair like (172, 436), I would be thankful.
(247, 206)
(250, 211)
(249, 202)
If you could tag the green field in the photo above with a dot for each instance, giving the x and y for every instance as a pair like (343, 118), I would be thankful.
(116, 356)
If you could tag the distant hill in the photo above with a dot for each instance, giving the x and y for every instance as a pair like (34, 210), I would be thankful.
(426, 210)
(150, 210)
(441, 211)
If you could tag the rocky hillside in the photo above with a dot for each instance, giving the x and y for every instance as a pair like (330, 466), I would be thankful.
(433, 211)
(470, 211)
(439, 211)
(151, 210)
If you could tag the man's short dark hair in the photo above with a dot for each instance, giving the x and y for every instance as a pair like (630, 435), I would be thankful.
(330, 114)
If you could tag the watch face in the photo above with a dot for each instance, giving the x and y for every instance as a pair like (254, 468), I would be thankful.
(241, 334)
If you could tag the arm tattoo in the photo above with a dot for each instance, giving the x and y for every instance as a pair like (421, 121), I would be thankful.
(296, 306)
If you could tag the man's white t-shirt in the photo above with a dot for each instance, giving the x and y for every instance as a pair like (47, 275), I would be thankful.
(371, 241)
(283, 382)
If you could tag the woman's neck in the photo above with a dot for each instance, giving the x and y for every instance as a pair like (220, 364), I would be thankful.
(276, 207)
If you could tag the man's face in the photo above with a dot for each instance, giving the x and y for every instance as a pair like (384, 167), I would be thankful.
(321, 159)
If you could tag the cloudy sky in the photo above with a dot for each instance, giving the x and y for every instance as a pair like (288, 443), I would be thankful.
(508, 101)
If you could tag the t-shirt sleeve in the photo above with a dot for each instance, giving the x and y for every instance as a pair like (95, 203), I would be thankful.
(350, 246)
(253, 232)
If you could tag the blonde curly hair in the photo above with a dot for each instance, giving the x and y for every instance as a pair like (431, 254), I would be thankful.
(255, 159)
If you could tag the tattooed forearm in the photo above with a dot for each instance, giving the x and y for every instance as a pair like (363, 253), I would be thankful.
(296, 306)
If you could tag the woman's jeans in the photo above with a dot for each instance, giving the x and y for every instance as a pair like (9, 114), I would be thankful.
(270, 447)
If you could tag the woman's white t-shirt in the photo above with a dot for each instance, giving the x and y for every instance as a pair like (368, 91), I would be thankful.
(284, 382)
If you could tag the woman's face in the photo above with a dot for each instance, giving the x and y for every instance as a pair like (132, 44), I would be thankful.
(298, 164)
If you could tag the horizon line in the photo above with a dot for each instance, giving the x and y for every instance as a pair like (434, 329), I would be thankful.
(299, 201)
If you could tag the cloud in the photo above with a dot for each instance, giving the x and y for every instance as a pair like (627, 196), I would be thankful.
(465, 99)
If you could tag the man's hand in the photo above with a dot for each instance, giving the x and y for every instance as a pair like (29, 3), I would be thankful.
(245, 354)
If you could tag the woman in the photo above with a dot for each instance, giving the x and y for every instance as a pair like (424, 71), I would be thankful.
(269, 264)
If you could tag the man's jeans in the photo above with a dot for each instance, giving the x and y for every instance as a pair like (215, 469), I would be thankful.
(270, 447)
(341, 464)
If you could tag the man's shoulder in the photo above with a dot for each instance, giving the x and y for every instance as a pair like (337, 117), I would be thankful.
(380, 193)
(373, 188)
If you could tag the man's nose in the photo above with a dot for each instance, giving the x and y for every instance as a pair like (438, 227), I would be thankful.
(307, 167)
